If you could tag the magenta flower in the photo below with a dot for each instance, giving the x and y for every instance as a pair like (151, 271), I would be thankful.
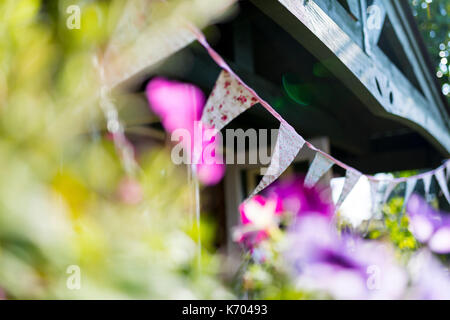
(429, 226)
(180, 106)
(300, 200)
(259, 217)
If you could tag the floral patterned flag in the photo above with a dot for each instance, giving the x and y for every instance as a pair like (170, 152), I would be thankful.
(442, 183)
(318, 168)
(287, 147)
(228, 99)
(410, 185)
(351, 179)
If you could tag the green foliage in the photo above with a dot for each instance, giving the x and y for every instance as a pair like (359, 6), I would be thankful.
(433, 20)
(396, 222)
(64, 194)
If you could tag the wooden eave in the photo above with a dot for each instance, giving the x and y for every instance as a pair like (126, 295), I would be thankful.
(325, 29)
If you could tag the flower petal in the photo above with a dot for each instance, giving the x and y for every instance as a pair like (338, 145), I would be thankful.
(440, 241)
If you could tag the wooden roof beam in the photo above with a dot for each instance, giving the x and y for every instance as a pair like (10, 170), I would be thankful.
(378, 83)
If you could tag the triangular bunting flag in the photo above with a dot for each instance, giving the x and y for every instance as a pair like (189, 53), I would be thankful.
(351, 179)
(442, 183)
(447, 165)
(410, 185)
(318, 168)
(426, 185)
(131, 24)
(287, 147)
(228, 99)
(390, 187)
(374, 195)
(146, 35)
(151, 45)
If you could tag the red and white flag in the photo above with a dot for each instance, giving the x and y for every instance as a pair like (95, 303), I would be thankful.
(228, 99)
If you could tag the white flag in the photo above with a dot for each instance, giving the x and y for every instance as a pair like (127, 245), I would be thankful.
(410, 185)
(374, 185)
(318, 168)
(390, 187)
(447, 165)
(442, 183)
(228, 99)
(426, 185)
(151, 44)
(287, 147)
(351, 179)
(149, 31)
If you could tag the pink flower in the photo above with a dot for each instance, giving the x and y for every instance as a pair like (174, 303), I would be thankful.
(301, 200)
(210, 174)
(130, 191)
(259, 216)
(260, 211)
(180, 106)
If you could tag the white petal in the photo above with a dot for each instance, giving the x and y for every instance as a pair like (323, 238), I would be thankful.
(421, 227)
(440, 242)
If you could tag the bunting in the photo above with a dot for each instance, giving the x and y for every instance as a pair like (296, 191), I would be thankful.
(440, 177)
(374, 185)
(231, 96)
(426, 185)
(124, 61)
(447, 165)
(410, 185)
(228, 99)
(318, 168)
(351, 179)
(390, 187)
(145, 35)
(287, 147)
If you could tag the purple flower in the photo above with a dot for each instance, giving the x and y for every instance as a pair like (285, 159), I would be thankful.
(429, 226)
(301, 200)
(429, 279)
(344, 267)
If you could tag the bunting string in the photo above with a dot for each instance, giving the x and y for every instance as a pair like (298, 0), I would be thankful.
(221, 62)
